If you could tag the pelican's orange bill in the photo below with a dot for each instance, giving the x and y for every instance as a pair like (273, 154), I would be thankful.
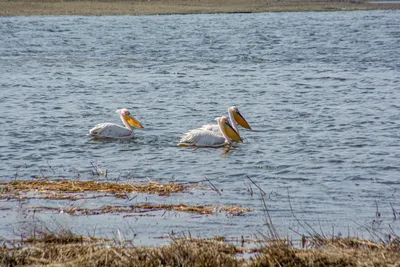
(133, 121)
(231, 133)
(240, 120)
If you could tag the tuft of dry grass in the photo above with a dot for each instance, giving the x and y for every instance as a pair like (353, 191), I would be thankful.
(62, 237)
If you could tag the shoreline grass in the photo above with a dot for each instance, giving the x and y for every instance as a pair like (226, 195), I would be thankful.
(66, 249)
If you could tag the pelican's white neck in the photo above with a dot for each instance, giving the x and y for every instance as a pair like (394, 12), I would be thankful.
(221, 128)
(232, 120)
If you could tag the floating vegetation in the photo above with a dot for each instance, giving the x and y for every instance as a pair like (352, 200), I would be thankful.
(235, 210)
(77, 190)
(68, 186)
(143, 208)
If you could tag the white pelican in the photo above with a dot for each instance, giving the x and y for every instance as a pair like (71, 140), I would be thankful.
(113, 130)
(204, 138)
(235, 118)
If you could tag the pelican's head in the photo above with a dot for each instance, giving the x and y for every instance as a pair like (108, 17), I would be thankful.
(239, 118)
(228, 129)
(129, 118)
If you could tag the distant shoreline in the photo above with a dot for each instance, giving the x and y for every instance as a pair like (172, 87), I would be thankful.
(158, 7)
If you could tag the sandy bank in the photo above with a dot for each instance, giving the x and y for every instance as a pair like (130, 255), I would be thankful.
(108, 7)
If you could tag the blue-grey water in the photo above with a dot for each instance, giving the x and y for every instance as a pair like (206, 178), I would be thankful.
(320, 90)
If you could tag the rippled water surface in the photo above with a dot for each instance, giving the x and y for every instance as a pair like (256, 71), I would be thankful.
(320, 90)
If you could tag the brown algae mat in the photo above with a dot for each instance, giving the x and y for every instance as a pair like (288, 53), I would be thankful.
(67, 250)
(158, 7)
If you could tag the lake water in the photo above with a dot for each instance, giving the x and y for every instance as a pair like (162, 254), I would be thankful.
(320, 90)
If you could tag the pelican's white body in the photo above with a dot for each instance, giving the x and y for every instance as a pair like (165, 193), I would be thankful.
(205, 138)
(113, 130)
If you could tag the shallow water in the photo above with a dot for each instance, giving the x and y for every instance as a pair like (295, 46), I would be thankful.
(320, 90)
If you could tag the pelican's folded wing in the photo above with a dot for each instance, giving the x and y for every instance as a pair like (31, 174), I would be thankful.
(201, 137)
(212, 127)
(110, 130)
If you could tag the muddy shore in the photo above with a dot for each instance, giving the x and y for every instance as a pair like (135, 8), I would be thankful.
(121, 7)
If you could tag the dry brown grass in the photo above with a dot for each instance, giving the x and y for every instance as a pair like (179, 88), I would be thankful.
(62, 237)
(337, 252)
(152, 7)
(182, 252)
(67, 250)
